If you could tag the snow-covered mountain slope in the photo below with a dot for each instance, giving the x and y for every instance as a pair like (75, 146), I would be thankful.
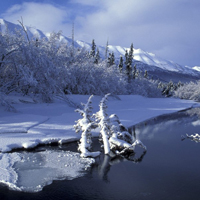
(144, 60)
(197, 68)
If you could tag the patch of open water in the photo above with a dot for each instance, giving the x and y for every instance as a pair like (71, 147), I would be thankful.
(169, 169)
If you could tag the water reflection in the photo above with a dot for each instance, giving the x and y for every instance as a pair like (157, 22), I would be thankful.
(148, 129)
(105, 162)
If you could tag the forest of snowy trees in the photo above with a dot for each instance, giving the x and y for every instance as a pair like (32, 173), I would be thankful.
(44, 68)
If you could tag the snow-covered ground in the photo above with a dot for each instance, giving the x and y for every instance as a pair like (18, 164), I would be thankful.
(35, 124)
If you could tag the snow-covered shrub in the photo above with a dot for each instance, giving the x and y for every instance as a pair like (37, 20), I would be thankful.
(6, 104)
(189, 91)
(28, 68)
(144, 87)
(86, 77)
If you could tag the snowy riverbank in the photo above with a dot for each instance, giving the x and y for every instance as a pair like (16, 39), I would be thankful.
(35, 124)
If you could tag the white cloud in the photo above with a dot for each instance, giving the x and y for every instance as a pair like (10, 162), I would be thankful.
(42, 16)
(152, 25)
(168, 28)
(86, 2)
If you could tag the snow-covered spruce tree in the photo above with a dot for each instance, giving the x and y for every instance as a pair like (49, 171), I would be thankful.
(120, 65)
(103, 122)
(128, 63)
(97, 57)
(130, 55)
(85, 125)
(93, 50)
(145, 74)
(111, 59)
(134, 71)
(169, 89)
(106, 50)
(129, 73)
(126, 57)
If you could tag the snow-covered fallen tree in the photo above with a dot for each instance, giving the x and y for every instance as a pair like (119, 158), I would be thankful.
(103, 122)
(113, 134)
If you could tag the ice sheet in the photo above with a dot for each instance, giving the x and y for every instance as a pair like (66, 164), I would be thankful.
(30, 172)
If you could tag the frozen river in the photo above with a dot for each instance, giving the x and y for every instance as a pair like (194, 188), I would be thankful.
(169, 169)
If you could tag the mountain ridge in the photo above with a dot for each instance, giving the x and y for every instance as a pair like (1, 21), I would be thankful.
(144, 60)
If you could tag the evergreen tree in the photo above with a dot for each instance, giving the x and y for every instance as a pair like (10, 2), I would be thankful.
(121, 64)
(126, 58)
(138, 74)
(92, 52)
(128, 62)
(134, 71)
(145, 74)
(106, 51)
(111, 59)
(130, 55)
(97, 57)
(129, 72)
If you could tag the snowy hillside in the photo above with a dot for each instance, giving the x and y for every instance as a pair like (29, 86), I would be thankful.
(197, 68)
(144, 59)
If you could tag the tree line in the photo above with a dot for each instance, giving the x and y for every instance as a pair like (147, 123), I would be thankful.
(44, 68)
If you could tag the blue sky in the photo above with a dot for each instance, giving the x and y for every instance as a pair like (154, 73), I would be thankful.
(168, 28)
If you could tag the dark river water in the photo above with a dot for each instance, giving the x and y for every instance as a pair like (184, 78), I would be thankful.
(170, 169)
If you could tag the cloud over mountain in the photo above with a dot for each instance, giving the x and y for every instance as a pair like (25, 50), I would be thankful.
(166, 28)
